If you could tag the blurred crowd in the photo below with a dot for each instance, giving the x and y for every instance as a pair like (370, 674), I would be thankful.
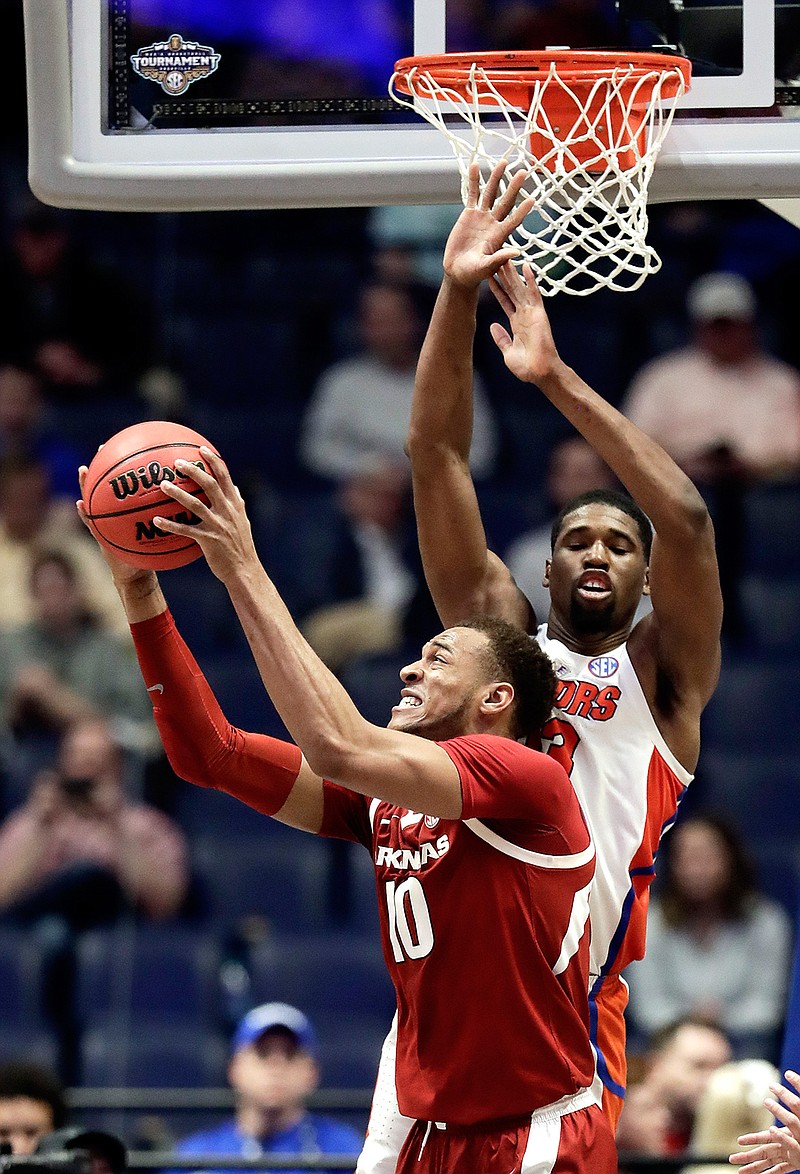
(290, 339)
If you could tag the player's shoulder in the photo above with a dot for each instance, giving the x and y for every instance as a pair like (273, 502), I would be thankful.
(493, 748)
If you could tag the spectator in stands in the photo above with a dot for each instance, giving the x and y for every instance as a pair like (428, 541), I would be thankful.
(32, 1104)
(573, 467)
(24, 430)
(722, 403)
(678, 1066)
(361, 405)
(732, 1105)
(375, 573)
(87, 330)
(61, 666)
(79, 850)
(273, 1071)
(705, 916)
(644, 1120)
(29, 523)
(728, 412)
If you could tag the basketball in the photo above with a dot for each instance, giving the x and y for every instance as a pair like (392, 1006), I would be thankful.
(122, 495)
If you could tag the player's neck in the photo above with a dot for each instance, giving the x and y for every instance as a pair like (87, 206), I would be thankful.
(586, 643)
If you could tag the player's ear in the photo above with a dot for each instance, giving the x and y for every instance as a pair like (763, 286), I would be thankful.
(497, 698)
(546, 576)
(646, 588)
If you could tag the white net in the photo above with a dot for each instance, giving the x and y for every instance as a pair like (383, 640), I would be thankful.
(589, 143)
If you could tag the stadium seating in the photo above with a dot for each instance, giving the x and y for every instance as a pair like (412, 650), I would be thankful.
(160, 975)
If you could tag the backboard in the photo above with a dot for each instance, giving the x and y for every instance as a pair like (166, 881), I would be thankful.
(161, 105)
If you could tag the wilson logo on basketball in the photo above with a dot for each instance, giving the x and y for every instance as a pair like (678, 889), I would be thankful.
(149, 531)
(145, 477)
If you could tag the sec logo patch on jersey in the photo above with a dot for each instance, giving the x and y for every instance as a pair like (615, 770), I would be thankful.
(603, 666)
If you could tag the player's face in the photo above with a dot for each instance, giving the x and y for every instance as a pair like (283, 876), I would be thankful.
(597, 573)
(443, 689)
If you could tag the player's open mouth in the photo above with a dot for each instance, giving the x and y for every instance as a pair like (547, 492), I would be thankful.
(594, 584)
(409, 701)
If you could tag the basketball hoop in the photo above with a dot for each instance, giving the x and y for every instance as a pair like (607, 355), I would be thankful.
(586, 126)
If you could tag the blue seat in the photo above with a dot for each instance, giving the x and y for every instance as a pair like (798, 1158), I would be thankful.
(22, 962)
(754, 789)
(771, 518)
(350, 1047)
(373, 682)
(127, 1053)
(750, 696)
(283, 879)
(34, 1045)
(771, 607)
(164, 975)
(204, 813)
(329, 973)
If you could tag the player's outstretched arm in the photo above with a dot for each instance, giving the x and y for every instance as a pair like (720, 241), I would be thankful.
(777, 1148)
(682, 637)
(336, 741)
(464, 577)
(201, 744)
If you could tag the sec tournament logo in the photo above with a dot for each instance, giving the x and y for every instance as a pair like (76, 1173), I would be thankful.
(175, 64)
(603, 666)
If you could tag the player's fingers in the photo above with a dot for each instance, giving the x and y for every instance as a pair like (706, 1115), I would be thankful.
(780, 1111)
(505, 206)
(219, 469)
(518, 214)
(787, 1096)
(492, 187)
(505, 302)
(170, 526)
(759, 1138)
(500, 336)
(473, 185)
(188, 500)
(793, 1078)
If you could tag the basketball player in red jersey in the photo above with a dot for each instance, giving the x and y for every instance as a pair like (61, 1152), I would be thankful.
(483, 859)
(627, 716)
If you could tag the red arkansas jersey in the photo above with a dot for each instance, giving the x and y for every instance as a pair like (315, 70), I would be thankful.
(484, 928)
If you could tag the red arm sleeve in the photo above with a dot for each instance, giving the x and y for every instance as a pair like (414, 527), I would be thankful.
(201, 744)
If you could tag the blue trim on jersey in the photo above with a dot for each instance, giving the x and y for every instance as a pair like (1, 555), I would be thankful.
(602, 1066)
(645, 870)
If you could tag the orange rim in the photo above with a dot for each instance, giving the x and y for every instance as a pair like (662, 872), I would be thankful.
(521, 68)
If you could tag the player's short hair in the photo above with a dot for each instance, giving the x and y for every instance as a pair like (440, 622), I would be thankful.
(514, 657)
(36, 1083)
(612, 497)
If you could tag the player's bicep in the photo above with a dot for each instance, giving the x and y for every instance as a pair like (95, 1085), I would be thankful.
(687, 611)
(405, 770)
(304, 805)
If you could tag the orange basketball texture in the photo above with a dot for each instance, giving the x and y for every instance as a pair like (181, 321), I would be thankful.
(122, 495)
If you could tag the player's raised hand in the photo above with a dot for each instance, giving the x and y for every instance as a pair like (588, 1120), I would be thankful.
(527, 346)
(476, 247)
(122, 573)
(223, 533)
(777, 1149)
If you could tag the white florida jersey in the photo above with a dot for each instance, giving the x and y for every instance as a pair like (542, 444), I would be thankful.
(628, 781)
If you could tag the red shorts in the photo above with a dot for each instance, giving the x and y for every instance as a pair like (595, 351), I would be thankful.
(545, 1143)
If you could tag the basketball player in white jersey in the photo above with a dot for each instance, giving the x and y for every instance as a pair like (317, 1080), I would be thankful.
(626, 723)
